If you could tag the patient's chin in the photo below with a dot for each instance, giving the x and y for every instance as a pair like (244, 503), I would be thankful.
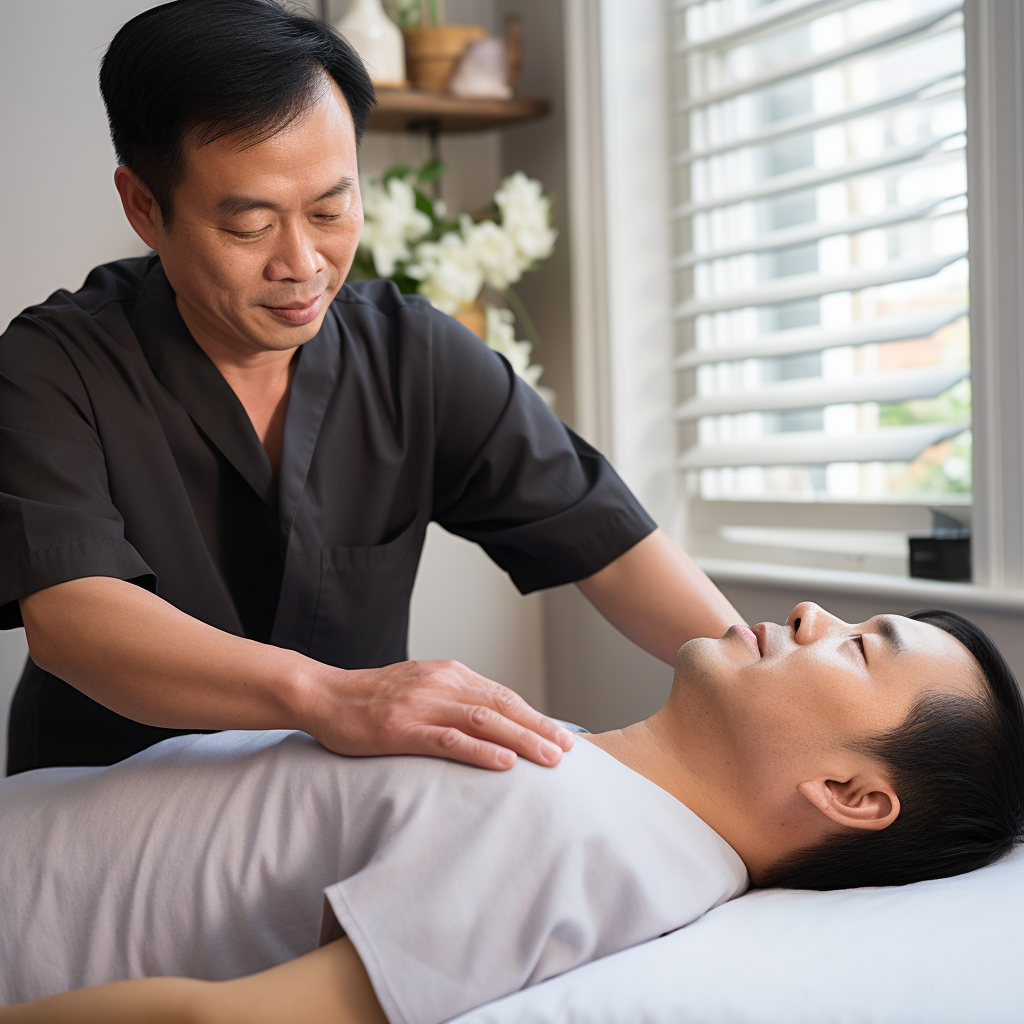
(694, 658)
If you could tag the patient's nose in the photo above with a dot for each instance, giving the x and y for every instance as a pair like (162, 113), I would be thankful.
(810, 622)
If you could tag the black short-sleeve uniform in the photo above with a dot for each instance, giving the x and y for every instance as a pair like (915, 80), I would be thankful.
(125, 453)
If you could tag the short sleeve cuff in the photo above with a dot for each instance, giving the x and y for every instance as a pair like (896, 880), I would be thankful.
(574, 546)
(76, 559)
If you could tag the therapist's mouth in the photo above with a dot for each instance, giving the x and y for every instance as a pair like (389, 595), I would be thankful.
(296, 313)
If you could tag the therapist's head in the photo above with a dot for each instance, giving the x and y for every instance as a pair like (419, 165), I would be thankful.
(877, 753)
(237, 123)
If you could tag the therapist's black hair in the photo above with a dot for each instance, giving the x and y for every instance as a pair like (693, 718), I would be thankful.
(210, 68)
(957, 766)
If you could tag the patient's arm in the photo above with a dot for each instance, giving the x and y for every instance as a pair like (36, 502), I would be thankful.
(329, 985)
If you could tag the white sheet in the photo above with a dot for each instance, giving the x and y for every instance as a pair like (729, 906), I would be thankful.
(210, 857)
(949, 951)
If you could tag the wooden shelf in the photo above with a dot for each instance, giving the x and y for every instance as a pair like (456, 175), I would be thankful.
(402, 110)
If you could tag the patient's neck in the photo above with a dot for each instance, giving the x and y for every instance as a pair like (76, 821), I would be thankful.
(658, 749)
(651, 748)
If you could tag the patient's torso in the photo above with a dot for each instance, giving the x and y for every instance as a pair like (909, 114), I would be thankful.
(211, 857)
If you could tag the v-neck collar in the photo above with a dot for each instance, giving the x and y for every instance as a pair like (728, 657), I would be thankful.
(316, 376)
(194, 380)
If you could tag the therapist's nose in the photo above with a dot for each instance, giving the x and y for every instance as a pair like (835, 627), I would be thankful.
(810, 622)
(295, 256)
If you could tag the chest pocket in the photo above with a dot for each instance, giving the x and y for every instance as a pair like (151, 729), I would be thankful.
(362, 612)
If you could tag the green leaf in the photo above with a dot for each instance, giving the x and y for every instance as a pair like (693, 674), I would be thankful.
(431, 171)
(952, 406)
(424, 205)
(406, 285)
(398, 171)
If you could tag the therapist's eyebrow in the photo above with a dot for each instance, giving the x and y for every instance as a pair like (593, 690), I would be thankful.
(891, 635)
(233, 205)
(345, 185)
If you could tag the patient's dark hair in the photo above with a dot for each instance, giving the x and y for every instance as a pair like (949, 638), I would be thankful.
(957, 765)
(214, 68)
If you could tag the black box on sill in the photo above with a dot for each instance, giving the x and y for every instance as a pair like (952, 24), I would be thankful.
(941, 558)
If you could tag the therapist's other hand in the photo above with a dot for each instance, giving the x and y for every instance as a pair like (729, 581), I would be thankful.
(438, 708)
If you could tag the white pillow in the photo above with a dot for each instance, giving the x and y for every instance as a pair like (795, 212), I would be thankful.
(950, 950)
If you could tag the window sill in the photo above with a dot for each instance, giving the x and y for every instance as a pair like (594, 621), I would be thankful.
(963, 595)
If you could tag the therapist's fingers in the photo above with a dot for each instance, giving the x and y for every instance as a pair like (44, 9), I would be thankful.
(470, 718)
(458, 746)
(486, 724)
(511, 706)
(447, 693)
(440, 708)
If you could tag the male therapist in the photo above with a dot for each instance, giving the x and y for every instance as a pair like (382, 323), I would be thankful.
(217, 464)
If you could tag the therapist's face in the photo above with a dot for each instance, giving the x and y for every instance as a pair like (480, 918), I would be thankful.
(784, 702)
(262, 236)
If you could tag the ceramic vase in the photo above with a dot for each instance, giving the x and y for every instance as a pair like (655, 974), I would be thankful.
(378, 40)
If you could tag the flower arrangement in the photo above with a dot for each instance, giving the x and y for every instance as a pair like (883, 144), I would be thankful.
(409, 238)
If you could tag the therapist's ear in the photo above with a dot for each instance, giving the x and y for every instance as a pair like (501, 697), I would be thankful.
(141, 209)
(866, 801)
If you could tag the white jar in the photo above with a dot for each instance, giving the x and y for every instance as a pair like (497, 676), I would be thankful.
(377, 39)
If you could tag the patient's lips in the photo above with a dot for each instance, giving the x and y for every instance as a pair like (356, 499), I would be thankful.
(749, 636)
(760, 632)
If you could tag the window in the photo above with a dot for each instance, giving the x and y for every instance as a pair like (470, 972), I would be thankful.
(821, 280)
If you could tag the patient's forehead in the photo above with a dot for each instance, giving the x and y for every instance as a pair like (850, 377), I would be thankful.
(927, 647)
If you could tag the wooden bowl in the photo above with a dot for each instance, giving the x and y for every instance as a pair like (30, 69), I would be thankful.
(432, 53)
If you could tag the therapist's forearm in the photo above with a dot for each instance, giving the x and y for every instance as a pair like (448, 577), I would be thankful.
(657, 596)
(141, 657)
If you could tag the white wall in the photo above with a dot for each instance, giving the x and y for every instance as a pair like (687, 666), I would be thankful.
(58, 207)
(13, 651)
(61, 217)
(464, 607)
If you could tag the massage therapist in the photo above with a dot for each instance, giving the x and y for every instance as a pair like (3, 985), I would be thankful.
(218, 463)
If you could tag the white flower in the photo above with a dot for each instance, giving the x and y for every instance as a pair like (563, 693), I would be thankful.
(493, 249)
(526, 216)
(501, 336)
(448, 272)
(390, 222)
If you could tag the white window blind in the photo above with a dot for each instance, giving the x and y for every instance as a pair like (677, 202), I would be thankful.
(820, 239)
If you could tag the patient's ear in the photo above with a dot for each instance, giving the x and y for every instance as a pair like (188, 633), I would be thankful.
(861, 802)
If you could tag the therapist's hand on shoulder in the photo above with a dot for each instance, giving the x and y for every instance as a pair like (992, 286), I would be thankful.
(438, 708)
(141, 657)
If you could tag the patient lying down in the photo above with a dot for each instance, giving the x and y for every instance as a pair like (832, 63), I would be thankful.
(814, 754)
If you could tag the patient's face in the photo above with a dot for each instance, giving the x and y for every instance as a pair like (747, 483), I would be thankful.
(779, 698)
